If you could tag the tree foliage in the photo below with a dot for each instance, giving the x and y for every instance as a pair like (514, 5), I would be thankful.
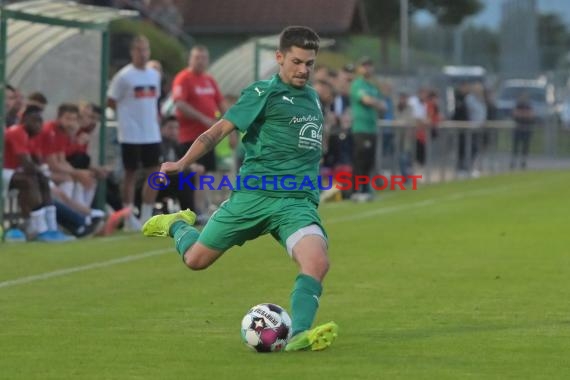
(553, 39)
(384, 15)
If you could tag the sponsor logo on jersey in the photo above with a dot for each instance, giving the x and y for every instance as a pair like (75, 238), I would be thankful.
(303, 119)
(311, 136)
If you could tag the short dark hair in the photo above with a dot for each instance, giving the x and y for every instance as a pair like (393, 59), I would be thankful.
(299, 36)
(38, 97)
(199, 47)
(31, 110)
(136, 39)
(67, 108)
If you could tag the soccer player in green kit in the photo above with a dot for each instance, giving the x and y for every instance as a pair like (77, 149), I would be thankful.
(282, 122)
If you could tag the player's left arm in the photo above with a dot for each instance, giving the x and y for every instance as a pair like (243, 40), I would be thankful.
(203, 144)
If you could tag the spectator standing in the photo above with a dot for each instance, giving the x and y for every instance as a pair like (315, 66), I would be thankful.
(366, 102)
(388, 146)
(134, 94)
(342, 143)
(199, 104)
(406, 139)
(524, 118)
(477, 113)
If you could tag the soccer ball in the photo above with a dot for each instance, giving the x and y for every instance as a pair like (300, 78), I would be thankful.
(266, 328)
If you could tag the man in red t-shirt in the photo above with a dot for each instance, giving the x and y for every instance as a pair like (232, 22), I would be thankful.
(22, 172)
(199, 104)
(56, 138)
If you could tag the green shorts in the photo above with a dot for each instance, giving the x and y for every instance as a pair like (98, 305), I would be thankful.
(248, 215)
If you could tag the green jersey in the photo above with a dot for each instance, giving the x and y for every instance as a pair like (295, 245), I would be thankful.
(364, 117)
(283, 128)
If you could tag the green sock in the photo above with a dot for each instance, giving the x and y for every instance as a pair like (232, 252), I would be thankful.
(304, 302)
(184, 236)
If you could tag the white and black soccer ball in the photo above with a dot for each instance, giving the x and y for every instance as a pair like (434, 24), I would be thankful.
(266, 328)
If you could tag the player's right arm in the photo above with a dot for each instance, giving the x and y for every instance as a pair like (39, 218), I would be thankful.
(203, 144)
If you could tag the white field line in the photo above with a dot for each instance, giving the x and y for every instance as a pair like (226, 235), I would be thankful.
(361, 215)
(64, 272)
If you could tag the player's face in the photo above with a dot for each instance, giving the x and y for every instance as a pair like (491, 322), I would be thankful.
(69, 121)
(199, 60)
(33, 124)
(140, 53)
(296, 65)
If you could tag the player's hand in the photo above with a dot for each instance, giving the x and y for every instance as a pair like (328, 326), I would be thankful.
(170, 168)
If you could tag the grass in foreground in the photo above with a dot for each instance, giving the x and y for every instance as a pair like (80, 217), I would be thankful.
(462, 280)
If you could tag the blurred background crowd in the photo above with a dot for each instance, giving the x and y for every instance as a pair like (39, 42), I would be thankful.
(444, 90)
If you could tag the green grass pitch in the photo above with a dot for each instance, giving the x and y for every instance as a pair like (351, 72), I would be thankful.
(467, 280)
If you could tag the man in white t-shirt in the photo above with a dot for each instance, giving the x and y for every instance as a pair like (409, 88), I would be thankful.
(133, 93)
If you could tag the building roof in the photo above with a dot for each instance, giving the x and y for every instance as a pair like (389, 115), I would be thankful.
(271, 16)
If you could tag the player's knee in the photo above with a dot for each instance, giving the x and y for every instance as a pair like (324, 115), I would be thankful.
(317, 267)
(322, 263)
(195, 262)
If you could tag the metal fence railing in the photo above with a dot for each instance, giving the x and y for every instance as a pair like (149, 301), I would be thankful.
(486, 149)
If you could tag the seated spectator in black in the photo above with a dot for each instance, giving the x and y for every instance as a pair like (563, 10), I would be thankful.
(21, 171)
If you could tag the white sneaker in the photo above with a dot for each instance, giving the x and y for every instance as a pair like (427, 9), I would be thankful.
(132, 223)
(360, 197)
(95, 213)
